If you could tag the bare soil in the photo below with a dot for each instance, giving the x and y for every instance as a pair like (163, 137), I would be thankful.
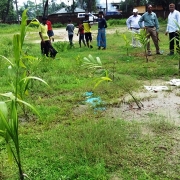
(62, 35)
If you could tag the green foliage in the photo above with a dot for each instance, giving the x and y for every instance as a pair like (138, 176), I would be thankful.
(62, 46)
(142, 37)
(19, 82)
(127, 43)
(95, 64)
(115, 22)
(58, 25)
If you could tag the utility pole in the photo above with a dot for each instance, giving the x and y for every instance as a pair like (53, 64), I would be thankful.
(17, 15)
(106, 6)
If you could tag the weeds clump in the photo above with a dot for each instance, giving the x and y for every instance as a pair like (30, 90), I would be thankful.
(58, 25)
(115, 22)
(62, 46)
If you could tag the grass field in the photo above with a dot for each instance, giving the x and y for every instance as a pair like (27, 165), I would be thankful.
(71, 139)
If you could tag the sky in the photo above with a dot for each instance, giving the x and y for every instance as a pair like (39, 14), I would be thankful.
(20, 2)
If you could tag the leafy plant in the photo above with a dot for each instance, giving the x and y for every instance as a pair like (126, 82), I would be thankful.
(19, 77)
(95, 64)
(142, 37)
(126, 40)
(62, 46)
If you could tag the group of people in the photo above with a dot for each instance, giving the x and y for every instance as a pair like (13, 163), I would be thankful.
(149, 22)
(84, 32)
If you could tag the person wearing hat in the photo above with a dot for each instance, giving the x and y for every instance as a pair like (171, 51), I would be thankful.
(151, 25)
(46, 46)
(132, 24)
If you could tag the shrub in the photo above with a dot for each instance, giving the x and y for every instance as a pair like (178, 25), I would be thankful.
(114, 22)
(62, 46)
(58, 25)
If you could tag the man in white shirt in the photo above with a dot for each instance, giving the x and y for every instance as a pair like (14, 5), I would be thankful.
(132, 24)
(172, 28)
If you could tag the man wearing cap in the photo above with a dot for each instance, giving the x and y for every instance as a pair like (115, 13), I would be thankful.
(151, 25)
(132, 24)
(172, 28)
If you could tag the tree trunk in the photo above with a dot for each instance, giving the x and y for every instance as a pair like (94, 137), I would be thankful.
(7, 11)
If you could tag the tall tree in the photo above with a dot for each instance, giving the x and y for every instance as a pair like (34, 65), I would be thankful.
(6, 10)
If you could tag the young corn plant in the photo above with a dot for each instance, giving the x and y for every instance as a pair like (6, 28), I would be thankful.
(125, 83)
(18, 70)
(142, 37)
(8, 108)
(127, 42)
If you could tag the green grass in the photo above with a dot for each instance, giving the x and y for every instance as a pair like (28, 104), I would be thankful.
(72, 141)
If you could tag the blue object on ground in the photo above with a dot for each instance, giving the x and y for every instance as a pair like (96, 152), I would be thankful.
(94, 100)
(88, 94)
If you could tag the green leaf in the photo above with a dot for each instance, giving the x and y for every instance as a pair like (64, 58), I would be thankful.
(10, 154)
(16, 48)
(91, 58)
(7, 60)
(98, 61)
(23, 26)
(29, 105)
(2, 133)
(4, 109)
(35, 78)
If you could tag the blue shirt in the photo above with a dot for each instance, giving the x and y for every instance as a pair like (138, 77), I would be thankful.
(150, 19)
(102, 23)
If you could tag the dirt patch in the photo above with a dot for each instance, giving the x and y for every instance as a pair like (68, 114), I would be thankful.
(62, 35)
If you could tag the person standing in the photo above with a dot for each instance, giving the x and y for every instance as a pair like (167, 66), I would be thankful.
(101, 37)
(46, 46)
(172, 28)
(50, 30)
(70, 29)
(132, 24)
(81, 33)
(87, 31)
(151, 25)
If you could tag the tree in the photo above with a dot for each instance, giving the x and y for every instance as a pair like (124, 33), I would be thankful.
(6, 10)
(164, 3)
(88, 5)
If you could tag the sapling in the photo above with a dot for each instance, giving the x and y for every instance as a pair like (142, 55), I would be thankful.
(142, 37)
(127, 42)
